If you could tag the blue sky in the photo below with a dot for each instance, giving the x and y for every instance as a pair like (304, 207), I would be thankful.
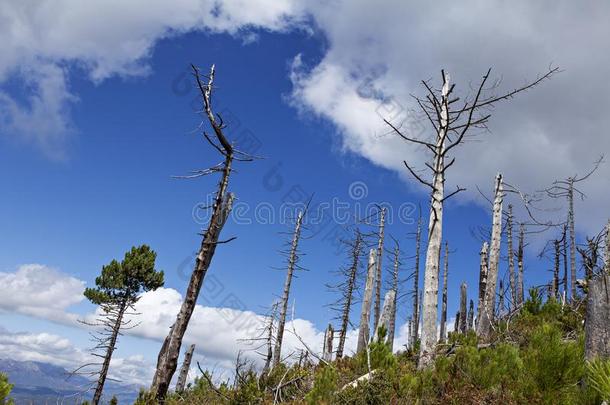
(102, 182)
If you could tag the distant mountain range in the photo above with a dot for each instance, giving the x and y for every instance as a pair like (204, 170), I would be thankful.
(43, 383)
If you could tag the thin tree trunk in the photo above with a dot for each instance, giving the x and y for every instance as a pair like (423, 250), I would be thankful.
(292, 262)
(184, 370)
(494, 259)
(327, 352)
(269, 342)
(470, 315)
(351, 283)
(167, 360)
(110, 349)
(463, 310)
(511, 256)
(566, 281)
(443, 332)
(501, 300)
(416, 295)
(379, 259)
(482, 282)
(392, 325)
(555, 285)
(456, 322)
(409, 332)
(365, 316)
(520, 287)
(572, 239)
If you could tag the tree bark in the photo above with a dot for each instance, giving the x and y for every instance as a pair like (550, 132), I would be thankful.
(487, 315)
(470, 315)
(463, 310)
(292, 262)
(365, 316)
(572, 239)
(184, 370)
(520, 288)
(167, 360)
(351, 283)
(379, 259)
(416, 295)
(392, 324)
(511, 256)
(110, 349)
(327, 353)
(386, 316)
(482, 282)
(443, 331)
(555, 284)
(597, 318)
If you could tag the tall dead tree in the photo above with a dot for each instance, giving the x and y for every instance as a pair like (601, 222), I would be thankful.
(555, 283)
(443, 331)
(511, 255)
(463, 302)
(564, 256)
(487, 315)
(597, 317)
(392, 323)
(327, 351)
(482, 281)
(184, 370)
(470, 315)
(451, 118)
(416, 295)
(566, 189)
(501, 306)
(386, 316)
(293, 259)
(520, 288)
(167, 360)
(379, 260)
(365, 316)
(346, 288)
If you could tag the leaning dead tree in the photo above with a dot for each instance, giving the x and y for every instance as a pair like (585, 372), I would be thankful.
(346, 289)
(487, 314)
(167, 360)
(451, 118)
(382, 213)
(365, 315)
(184, 370)
(293, 259)
(443, 331)
(566, 189)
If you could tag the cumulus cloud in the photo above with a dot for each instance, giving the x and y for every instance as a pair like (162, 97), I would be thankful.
(40, 291)
(43, 40)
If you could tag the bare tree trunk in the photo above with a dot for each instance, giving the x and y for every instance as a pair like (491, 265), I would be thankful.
(409, 332)
(470, 315)
(501, 301)
(487, 316)
(607, 251)
(365, 316)
(184, 370)
(269, 342)
(386, 316)
(292, 262)
(118, 321)
(482, 283)
(379, 259)
(555, 285)
(351, 283)
(520, 288)
(572, 238)
(566, 281)
(327, 352)
(443, 334)
(511, 256)
(463, 311)
(416, 295)
(167, 360)
(597, 318)
(392, 324)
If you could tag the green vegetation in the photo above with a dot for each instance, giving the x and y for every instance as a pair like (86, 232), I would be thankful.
(536, 357)
(5, 390)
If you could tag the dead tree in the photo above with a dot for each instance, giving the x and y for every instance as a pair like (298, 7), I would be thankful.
(269, 329)
(511, 255)
(597, 318)
(566, 189)
(443, 331)
(365, 316)
(555, 284)
(564, 255)
(487, 315)
(501, 306)
(347, 288)
(482, 282)
(520, 288)
(293, 259)
(463, 315)
(327, 351)
(167, 360)
(470, 315)
(184, 370)
(392, 322)
(379, 260)
(386, 316)
(451, 118)
(416, 295)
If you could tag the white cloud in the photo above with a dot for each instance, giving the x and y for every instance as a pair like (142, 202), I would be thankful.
(40, 291)
(42, 40)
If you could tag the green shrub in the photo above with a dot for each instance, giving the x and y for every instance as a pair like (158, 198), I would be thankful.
(5, 389)
(324, 387)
